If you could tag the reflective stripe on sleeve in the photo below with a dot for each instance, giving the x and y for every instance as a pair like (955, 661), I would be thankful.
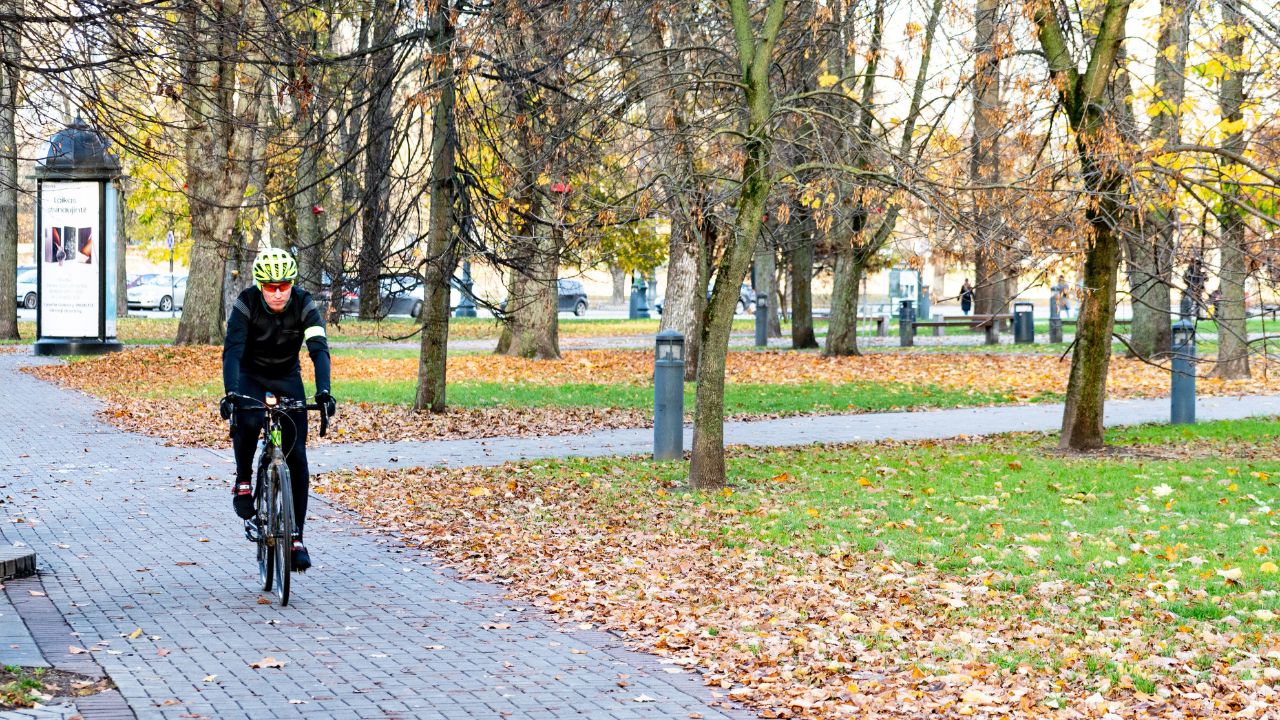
(313, 331)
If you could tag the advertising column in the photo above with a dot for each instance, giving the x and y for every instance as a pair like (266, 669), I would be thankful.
(70, 274)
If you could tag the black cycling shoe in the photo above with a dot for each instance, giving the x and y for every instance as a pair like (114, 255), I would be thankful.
(242, 500)
(301, 558)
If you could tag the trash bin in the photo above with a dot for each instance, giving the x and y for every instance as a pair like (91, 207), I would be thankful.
(1024, 324)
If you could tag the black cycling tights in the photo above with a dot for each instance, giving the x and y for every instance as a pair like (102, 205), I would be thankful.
(293, 437)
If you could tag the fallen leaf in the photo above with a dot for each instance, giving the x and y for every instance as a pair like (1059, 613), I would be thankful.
(267, 662)
(642, 698)
(135, 634)
(76, 650)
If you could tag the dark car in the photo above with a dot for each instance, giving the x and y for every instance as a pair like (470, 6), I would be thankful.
(570, 298)
(746, 300)
(399, 295)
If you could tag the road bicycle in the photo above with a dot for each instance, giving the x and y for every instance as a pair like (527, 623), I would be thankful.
(272, 527)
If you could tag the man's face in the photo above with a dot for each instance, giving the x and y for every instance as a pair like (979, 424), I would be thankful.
(277, 294)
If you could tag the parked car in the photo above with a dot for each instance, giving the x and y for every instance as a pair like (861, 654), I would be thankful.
(159, 293)
(746, 300)
(27, 297)
(570, 297)
(140, 278)
(400, 294)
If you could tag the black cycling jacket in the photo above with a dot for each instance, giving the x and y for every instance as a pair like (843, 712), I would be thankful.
(264, 343)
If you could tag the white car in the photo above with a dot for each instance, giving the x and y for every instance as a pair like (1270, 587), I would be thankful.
(159, 293)
(27, 297)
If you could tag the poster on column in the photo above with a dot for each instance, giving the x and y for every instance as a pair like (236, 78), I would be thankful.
(69, 273)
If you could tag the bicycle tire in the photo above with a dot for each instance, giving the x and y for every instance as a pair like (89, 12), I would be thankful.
(262, 516)
(282, 527)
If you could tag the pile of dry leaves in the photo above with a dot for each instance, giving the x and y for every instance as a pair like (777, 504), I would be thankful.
(801, 635)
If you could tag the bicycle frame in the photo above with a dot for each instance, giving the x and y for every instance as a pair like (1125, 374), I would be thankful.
(273, 525)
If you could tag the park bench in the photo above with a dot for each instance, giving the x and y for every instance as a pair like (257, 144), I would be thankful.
(989, 324)
(881, 321)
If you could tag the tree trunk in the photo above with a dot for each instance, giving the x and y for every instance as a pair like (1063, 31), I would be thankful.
(1233, 334)
(842, 328)
(766, 270)
(1082, 427)
(122, 244)
(802, 335)
(9, 187)
(990, 293)
(1082, 100)
(221, 90)
(377, 169)
(619, 278)
(441, 249)
(1149, 275)
(684, 297)
(755, 54)
(306, 195)
(532, 330)
(1152, 286)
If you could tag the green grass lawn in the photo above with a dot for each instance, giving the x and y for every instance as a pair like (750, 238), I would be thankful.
(1187, 514)
(739, 399)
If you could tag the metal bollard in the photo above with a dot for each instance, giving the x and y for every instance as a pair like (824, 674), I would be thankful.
(639, 309)
(762, 321)
(1182, 390)
(1055, 320)
(906, 320)
(668, 396)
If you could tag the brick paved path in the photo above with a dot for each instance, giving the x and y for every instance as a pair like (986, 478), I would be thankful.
(132, 536)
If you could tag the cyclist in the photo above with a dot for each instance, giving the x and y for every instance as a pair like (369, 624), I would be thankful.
(269, 322)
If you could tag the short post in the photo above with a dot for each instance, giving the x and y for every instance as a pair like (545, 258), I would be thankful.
(1024, 323)
(1055, 319)
(639, 306)
(762, 321)
(1182, 410)
(466, 306)
(906, 322)
(668, 396)
(992, 330)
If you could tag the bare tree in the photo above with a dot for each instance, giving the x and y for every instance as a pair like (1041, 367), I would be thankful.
(10, 41)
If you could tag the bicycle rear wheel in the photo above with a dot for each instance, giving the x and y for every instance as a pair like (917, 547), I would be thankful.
(282, 527)
(262, 517)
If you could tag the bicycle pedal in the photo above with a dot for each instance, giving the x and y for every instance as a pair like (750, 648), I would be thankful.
(251, 530)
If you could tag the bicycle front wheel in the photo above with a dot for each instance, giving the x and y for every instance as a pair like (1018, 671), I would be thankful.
(262, 503)
(282, 527)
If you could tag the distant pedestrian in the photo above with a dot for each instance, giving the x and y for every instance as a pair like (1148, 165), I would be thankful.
(966, 297)
(1064, 300)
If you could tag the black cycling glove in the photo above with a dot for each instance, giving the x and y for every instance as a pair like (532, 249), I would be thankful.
(326, 400)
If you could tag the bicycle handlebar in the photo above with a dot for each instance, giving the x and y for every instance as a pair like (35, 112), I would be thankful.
(282, 404)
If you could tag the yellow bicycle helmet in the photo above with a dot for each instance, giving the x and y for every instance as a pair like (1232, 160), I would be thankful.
(274, 265)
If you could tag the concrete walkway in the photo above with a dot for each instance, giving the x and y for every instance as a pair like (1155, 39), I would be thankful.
(143, 565)
(871, 427)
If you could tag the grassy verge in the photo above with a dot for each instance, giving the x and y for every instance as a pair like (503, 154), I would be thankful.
(1185, 512)
(740, 400)
(994, 578)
